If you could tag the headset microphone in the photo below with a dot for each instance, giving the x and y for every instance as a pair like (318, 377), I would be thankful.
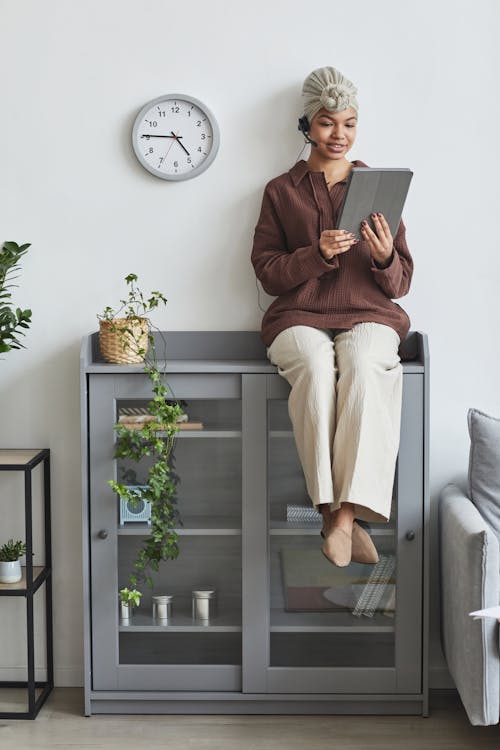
(304, 128)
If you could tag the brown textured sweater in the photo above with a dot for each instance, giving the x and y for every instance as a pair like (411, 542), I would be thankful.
(350, 288)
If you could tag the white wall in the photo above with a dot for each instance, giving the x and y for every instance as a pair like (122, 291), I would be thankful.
(74, 74)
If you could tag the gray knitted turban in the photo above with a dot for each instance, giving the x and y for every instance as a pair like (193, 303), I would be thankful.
(327, 88)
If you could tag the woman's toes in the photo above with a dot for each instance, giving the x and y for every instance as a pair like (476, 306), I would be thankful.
(363, 548)
(337, 546)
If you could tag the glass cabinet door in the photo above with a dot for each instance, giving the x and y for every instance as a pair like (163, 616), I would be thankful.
(334, 629)
(190, 650)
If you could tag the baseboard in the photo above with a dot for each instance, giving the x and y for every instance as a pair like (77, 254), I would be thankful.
(63, 676)
(440, 679)
(19, 674)
(444, 698)
(68, 676)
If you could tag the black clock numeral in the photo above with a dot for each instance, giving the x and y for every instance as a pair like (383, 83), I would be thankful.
(151, 151)
(175, 109)
(189, 160)
(161, 113)
(203, 136)
(176, 163)
(199, 148)
(198, 123)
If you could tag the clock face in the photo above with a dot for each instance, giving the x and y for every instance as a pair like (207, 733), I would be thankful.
(175, 137)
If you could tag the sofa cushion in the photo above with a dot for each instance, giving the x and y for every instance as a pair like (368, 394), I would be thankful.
(484, 466)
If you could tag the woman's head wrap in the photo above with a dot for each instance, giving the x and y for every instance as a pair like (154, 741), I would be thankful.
(327, 88)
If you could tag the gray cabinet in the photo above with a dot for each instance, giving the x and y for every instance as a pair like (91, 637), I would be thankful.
(289, 633)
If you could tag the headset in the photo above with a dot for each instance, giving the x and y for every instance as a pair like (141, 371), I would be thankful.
(304, 127)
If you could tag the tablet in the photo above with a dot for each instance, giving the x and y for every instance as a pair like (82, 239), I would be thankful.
(370, 190)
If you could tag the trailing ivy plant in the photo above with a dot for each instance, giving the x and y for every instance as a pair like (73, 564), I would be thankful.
(154, 439)
(12, 320)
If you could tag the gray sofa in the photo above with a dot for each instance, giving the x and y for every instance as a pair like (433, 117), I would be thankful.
(469, 561)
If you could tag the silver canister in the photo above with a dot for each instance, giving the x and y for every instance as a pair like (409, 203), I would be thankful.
(204, 605)
(162, 607)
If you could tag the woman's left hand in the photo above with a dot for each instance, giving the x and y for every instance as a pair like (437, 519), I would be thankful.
(381, 243)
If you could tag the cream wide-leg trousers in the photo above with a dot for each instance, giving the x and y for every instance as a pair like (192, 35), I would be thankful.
(345, 409)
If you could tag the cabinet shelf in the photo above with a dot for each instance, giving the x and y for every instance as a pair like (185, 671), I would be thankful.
(229, 622)
(195, 526)
(206, 433)
(320, 622)
(283, 528)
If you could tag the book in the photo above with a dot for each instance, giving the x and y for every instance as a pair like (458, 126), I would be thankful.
(133, 418)
(302, 514)
(312, 584)
(180, 425)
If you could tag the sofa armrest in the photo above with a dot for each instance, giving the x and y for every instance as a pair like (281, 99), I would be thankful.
(469, 578)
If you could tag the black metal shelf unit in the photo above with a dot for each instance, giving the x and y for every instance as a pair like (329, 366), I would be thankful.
(34, 577)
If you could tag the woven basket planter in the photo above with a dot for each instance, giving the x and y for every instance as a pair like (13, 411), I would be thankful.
(121, 339)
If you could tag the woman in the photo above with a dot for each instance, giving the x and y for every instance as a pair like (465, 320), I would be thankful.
(333, 330)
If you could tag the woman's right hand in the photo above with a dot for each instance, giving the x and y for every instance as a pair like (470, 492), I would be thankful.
(335, 241)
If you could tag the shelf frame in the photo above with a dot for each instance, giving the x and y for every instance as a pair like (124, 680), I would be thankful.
(25, 460)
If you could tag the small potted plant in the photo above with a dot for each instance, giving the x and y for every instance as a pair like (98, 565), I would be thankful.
(10, 566)
(124, 332)
(129, 598)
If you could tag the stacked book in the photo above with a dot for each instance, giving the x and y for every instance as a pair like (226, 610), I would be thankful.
(134, 418)
(302, 514)
(370, 599)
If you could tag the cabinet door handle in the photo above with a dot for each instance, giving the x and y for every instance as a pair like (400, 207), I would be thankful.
(103, 534)
(410, 535)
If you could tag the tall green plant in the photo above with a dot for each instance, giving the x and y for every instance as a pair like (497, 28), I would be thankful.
(12, 320)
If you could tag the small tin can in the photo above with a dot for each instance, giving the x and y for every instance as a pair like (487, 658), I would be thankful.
(204, 605)
(162, 607)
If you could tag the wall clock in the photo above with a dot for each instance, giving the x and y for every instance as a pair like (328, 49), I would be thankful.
(175, 137)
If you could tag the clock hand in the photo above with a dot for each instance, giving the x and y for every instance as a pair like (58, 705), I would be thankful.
(148, 136)
(178, 141)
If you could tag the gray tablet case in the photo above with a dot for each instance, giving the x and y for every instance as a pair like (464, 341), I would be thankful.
(370, 190)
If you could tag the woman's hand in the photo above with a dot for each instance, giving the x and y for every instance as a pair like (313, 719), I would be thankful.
(381, 243)
(335, 241)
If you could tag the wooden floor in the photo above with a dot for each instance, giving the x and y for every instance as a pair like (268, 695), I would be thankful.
(61, 725)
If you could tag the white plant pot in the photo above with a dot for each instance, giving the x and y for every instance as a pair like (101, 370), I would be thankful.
(10, 572)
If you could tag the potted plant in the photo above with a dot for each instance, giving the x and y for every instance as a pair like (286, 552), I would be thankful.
(124, 332)
(129, 598)
(154, 438)
(12, 321)
(10, 565)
